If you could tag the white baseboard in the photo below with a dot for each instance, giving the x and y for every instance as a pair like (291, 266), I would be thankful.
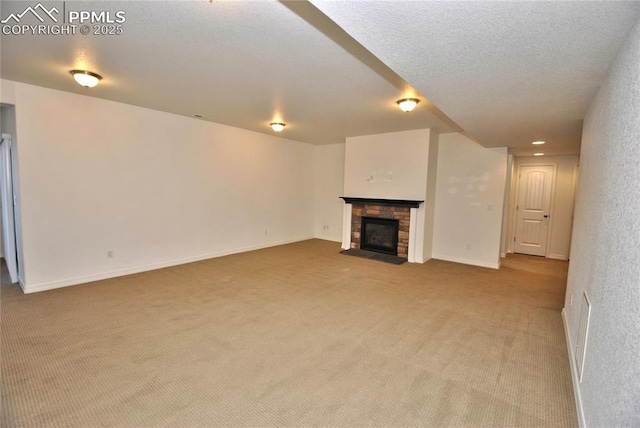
(574, 372)
(468, 261)
(557, 257)
(329, 238)
(44, 286)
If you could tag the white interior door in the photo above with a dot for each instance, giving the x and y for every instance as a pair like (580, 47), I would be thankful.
(535, 183)
(8, 205)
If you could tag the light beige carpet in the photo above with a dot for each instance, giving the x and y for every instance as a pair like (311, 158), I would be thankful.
(297, 335)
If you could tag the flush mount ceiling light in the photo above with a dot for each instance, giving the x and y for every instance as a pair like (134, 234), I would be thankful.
(537, 143)
(407, 104)
(277, 126)
(538, 154)
(86, 78)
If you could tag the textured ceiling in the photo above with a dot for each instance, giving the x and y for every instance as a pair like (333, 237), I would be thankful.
(242, 63)
(506, 73)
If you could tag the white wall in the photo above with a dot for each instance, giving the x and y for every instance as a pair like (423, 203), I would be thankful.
(7, 92)
(389, 166)
(505, 246)
(155, 188)
(329, 188)
(430, 201)
(469, 202)
(605, 253)
(561, 210)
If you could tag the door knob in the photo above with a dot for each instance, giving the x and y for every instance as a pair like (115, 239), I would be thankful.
(546, 215)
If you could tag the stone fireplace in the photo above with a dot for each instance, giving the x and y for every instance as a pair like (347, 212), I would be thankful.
(385, 222)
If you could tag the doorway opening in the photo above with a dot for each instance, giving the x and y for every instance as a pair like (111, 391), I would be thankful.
(539, 213)
(10, 239)
(533, 208)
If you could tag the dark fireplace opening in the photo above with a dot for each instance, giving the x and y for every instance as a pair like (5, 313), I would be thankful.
(379, 234)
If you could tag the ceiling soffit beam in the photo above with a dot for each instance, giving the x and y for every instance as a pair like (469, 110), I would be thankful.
(333, 31)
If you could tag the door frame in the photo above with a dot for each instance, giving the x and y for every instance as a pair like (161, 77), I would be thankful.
(514, 211)
(9, 214)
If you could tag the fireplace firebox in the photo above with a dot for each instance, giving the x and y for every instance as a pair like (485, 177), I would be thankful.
(380, 234)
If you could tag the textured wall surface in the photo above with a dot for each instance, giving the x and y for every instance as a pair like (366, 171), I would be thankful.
(605, 254)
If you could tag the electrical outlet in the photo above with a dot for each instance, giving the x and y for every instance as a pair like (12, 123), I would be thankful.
(468, 246)
(110, 254)
(266, 232)
(325, 227)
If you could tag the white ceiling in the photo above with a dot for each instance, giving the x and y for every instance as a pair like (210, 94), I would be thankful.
(508, 73)
(505, 73)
